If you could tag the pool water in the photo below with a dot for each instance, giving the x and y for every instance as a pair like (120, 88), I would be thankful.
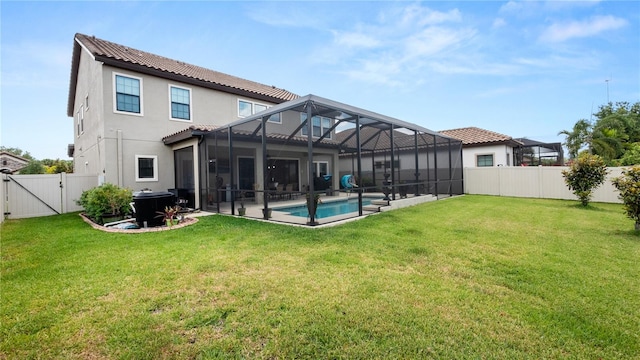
(327, 209)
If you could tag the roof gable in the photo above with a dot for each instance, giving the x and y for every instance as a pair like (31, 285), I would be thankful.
(141, 61)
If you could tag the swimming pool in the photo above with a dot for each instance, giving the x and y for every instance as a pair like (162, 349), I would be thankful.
(327, 209)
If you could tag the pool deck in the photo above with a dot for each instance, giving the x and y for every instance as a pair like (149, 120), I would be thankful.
(254, 211)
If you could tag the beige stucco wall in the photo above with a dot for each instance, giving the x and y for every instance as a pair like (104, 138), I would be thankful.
(89, 155)
(500, 155)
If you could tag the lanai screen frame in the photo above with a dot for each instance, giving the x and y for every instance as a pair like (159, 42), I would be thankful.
(411, 137)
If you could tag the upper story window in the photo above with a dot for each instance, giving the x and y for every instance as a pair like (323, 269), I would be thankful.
(319, 124)
(248, 108)
(81, 119)
(180, 103)
(484, 160)
(245, 108)
(128, 94)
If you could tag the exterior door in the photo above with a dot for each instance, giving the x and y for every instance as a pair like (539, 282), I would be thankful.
(246, 174)
(185, 182)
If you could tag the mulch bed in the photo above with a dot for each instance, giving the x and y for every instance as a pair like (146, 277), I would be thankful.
(185, 222)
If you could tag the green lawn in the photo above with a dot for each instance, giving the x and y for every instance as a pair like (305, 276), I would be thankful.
(468, 277)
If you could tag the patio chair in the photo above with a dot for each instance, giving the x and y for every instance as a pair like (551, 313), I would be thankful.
(280, 191)
(289, 191)
(295, 191)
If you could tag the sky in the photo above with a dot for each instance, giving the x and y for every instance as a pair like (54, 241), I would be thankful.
(520, 68)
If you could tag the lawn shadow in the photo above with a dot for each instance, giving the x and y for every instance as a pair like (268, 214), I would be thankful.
(589, 207)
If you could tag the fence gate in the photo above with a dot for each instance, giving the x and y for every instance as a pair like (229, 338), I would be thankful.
(43, 195)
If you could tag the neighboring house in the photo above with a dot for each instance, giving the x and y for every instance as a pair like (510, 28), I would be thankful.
(11, 163)
(146, 121)
(481, 148)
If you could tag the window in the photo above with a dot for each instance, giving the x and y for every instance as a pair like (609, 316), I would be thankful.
(259, 107)
(245, 108)
(180, 103)
(146, 168)
(78, 123)
(248, 108)
(484, 160)
(86, 102)
(320, 125)
(128, 94)
(322, 167)
(81, 119)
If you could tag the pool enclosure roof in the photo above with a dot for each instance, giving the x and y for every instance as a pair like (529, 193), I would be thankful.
(336, 110)
(375, 134)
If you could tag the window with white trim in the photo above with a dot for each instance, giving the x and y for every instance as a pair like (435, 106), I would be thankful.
(81, 119)
(180, 99)
(321, 168)
(128, 94)
(245, 108)
(146, 168)
(78, 123)
(484, 160)
(248, 108)
(320, 125)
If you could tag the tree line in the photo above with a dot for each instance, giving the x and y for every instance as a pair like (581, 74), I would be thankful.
(44, 166)
(613, 133)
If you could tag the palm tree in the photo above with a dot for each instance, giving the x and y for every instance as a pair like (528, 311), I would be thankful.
(578, 137)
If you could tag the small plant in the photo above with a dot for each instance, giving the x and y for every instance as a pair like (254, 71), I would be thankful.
(629, 186)
(585, 175)
(105, 200)
(312, 205)
(241, 210)
(169, 215)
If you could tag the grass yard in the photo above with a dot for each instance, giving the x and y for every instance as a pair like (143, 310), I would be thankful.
(468, 277)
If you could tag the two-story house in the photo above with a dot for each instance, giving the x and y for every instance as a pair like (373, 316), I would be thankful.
(146, 121)
(124, 101)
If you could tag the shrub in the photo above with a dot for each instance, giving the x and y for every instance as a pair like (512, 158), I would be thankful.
(585, 174)
(106, 199)
(629, 186)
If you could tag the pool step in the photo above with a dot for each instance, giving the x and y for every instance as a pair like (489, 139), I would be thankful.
(376, 205)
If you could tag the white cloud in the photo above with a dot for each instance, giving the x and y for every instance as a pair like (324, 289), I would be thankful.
(421, 16)
(498, 23)
(355, 40)
(435, 40)
(578, 29)
(396, 45)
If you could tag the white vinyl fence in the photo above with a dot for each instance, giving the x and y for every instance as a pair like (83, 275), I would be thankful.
(534, 182)
(41, 195)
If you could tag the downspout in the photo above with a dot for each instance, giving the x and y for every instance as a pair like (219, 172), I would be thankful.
(119, 155)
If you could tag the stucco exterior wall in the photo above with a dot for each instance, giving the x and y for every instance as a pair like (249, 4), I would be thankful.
(112, 139)
(502, 155)
(89, 155)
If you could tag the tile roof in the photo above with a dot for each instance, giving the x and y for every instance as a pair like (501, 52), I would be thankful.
(137, 60)
(476, 136)
(205, 129)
